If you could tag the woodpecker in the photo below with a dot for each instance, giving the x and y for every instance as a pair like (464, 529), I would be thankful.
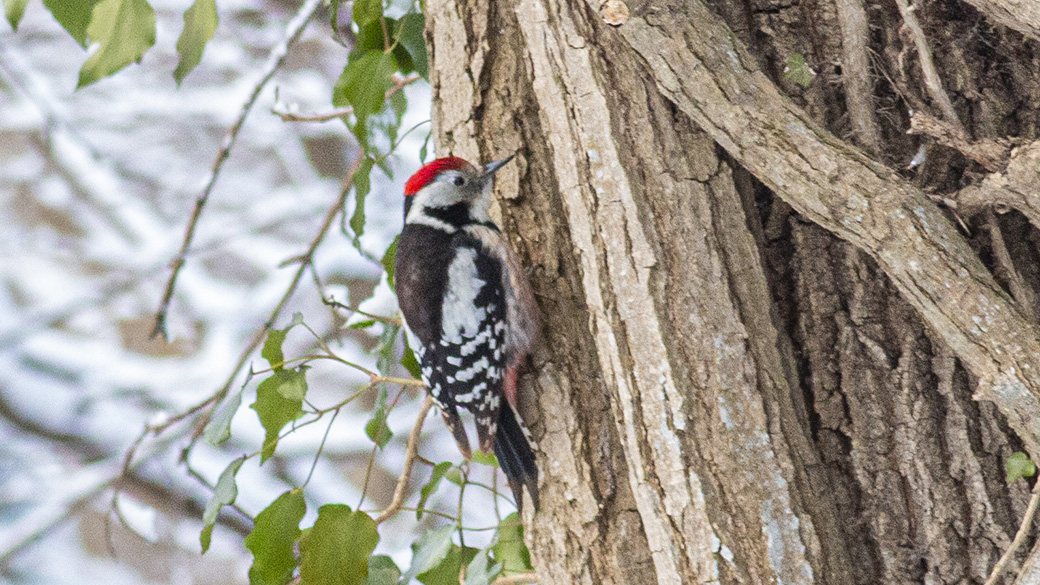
(468, 309)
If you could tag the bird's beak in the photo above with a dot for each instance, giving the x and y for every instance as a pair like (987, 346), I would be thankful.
(491, 167)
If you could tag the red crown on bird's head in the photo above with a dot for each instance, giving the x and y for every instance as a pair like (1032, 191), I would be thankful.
(430, 170)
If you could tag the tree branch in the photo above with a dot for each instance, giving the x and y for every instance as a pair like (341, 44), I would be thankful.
(932, 81)
(274, 61)
(992, 154)
(711, 78)
(401, 491)
(855, 73)
(1016, 187)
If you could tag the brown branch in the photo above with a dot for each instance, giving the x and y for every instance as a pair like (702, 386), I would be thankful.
(992, 154)
(1017, 186)
(932, 81)
(282, 112)
(274, 61)
(710, 77)
(1020, 536)
(855, 73)
(401, 491)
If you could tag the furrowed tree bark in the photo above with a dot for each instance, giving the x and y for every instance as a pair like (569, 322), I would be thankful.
(760, 345)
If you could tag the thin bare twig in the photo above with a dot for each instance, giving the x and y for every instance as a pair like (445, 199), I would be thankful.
(932, 81)
(282, 112)
(274, 61)
(518, 579)
(1020, 536)
(401, 491)
(380, 318)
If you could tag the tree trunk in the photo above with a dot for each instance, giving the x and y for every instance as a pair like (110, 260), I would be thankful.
(760, 345)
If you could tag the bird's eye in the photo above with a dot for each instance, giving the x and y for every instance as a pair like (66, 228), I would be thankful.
(459, 181)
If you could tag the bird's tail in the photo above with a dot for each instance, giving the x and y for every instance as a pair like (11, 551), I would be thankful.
(515, 457)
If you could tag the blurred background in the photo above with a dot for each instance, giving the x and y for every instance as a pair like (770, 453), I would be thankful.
(96, 188)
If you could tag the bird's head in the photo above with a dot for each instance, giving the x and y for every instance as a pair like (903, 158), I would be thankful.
(450, 189)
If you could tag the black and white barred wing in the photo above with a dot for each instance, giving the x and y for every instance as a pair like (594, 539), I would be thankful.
(465, 366)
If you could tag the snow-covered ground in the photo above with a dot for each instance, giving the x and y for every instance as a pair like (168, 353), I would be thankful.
(96, 187)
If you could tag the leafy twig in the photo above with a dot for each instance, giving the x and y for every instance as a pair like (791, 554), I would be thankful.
(218, 396)
(274, 61)
(287, 116)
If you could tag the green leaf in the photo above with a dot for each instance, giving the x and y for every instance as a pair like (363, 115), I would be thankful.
(479, 573)
(410, 363)
(336, 550)
(366, 11)
(272, 351)
(509, 549)
(389, 261)
(218, 429)
(369, 39)
(15, 9)
(362, 186)
(292, 384)
(224, 493)
(425, 147)
(429, 551)
(382, 571)
(362, 324)
(1019, 465)
(273, 538)
(275, 410)
(200, 22)
(399, 105)
(125, 29)
(448, 570)
(798, 71)
(414, 42)
(376, 428)
(363, 85)
(454, 475)
(483, 458)
(431, 486)
(386, 349)
(73, 15)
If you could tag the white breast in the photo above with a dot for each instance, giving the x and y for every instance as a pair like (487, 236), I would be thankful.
(460, 316)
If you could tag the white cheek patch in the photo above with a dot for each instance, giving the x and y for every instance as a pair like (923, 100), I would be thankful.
(460, 316)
